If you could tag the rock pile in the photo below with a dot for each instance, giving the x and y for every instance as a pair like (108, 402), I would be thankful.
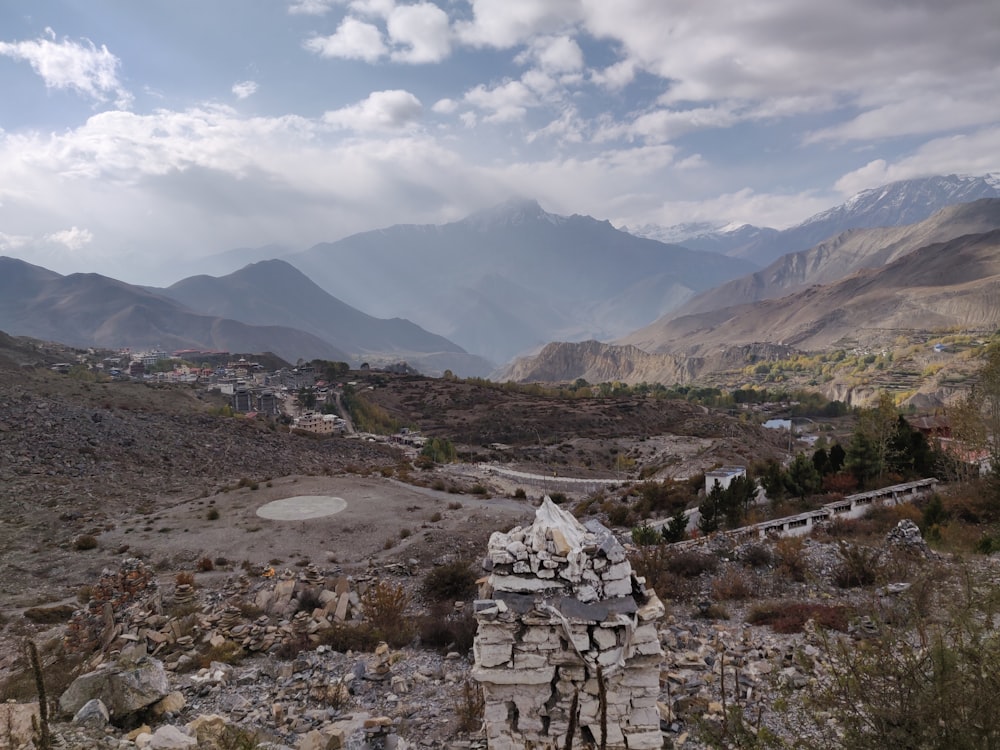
(567, 646)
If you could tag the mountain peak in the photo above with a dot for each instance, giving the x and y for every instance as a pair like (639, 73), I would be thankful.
(512, 212)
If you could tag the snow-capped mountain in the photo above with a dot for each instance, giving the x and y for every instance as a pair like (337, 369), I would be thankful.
(892, 205)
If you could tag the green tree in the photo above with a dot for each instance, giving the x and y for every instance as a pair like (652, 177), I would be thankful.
(878, 424)
(802, 478)
(862, 458)
(675, 529)
(439, 450)
(711, 510)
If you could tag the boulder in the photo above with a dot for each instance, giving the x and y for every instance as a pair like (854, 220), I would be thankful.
(124, 688)
(93, 714)
(169, 737)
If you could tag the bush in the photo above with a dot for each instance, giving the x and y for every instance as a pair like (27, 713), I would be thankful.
(791, 617)
(519, 494)
(344, 637)
(444, 630)
(308, 601)
(859, 566)
(558, 497)
(691, 564)
(184, 578)
(213, 514)
(790, 552)
(735, 584)
(901, 691)
(85, 542)
(757, 556)
(645, 535)
(205, 565)
(384, 605)
(453, 582)
(50, 615)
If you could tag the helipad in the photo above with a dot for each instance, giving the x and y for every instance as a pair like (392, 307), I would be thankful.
(302, 508)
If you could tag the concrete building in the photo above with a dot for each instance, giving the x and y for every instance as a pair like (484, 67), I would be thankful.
(723, 476)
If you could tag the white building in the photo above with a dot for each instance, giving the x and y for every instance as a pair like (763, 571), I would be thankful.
(723, 476)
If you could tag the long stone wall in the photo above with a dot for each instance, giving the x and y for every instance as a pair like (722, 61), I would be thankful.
(567, 645)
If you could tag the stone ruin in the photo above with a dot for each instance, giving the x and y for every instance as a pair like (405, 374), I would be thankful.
(567, 650)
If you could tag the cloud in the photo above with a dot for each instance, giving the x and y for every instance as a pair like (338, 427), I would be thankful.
(353, 40)
(310, 7)
(506, 102)
(665, 125)
(976, 153)
(555, 54)
(508, 23)
(73, 238)
(245, 89)
(81, 67)
(11, 242)
(422, 31)
(382, 110)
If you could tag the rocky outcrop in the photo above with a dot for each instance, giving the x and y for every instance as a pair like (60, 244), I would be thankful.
(567, 645)
(124, 688)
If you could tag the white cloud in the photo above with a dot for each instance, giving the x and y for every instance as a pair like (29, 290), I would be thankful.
(555, 54)
(506, 102)
(73, 238)
(245, 89)
(422, 31)
(508, 23)
(11, 242)
(353, 40)
(664, 125)
(81, 67)
(444, 106)
(382, 110)
(310, 7)
(977, 153)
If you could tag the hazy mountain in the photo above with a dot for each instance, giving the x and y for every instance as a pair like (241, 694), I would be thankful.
(846, 253)
(513, 277)
(93, 310)
(275, 293)
(954, 284)
(895, 204)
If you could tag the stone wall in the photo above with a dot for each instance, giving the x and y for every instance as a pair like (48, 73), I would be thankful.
(567, 641)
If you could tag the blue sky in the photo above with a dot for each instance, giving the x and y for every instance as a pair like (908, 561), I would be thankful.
(136, 134)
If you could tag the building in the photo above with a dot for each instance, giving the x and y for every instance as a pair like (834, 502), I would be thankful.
(723, 476)
(321, 424)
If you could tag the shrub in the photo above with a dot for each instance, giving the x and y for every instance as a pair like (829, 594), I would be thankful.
(645, 535)
(205, 565)
(444, 630)
(435, 517)
(558, 497)
(790, 552)
(228, 652)
(344, 637)
(519, 494)
(453, 581)
(859, 566)
(478, 489)
(85, 542)
(757, 556)
(790, 617)
(213, 514)
(50, 615)
(690, 564)
(384, 604)
(308, 601)
(184, 578)
(470, 707)
(735, 584)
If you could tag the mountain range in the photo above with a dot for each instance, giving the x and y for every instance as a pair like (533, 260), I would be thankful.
(896, 204)
(514, 278)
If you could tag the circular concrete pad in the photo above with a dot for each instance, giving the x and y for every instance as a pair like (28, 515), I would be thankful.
(302, 508)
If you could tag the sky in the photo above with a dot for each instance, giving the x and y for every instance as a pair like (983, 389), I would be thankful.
(139, 136)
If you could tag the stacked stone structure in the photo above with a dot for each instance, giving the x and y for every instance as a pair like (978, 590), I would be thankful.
(567, 649)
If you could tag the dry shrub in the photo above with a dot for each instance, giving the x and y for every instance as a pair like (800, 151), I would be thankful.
(85, 542)
(308, 600)
(50, 615)
(454, 581)
(790, 553)
(205, 564)
(343, 637)
(384, 605)
(756, 556)
(470, 707)
(736, 584)
(229, 652)
(791, 617)
(691, 564)
(184, 578)
(445, 630)
(859, 566)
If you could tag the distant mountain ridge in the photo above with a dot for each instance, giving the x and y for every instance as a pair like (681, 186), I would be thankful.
(895, 204)
(513, 277)
(274, 292)
(93, 310)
